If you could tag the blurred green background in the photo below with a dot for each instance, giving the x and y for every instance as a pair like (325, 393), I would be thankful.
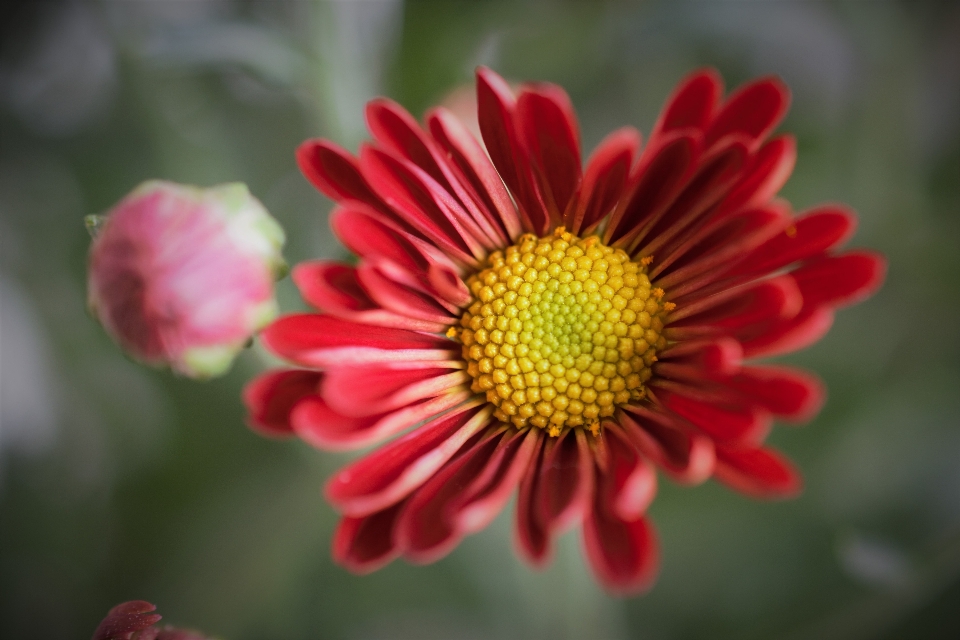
(118, 482)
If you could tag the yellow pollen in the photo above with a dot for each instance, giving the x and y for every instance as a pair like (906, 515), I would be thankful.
(646, 261)
(791, 231)
(561, 331)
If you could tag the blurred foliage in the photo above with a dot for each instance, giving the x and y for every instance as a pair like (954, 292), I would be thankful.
(118, 482)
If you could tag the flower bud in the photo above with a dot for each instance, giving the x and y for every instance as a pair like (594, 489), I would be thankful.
(183, 276)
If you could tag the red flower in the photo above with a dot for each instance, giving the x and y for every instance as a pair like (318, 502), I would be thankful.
(134, 620)
(563, 335)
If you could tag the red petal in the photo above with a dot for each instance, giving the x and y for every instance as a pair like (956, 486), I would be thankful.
(728, 423)
(365, 544)
(791, 334)
(716, 173)
(476, 168)
(662, 173)
(366, 391)
(717, 245)
(368, 235)
(768, 172)
(624, 555)
(402, 300)
(335, 172)
(692, 103)
(686, 456)
(786, 393)
(841, 280)
(272, 396)
(391, 473)
(764, 302)
(754, 110)
(531, 534)
(722, 356)
(486, 496)
(425, 529)
(422, 203)
(628, 483)
(604, 179)
(495, 112)
(812, 233)
(547, 128)
(320, 426)
(566, 483)
(320, 340)
(761, 473)
(334, 288)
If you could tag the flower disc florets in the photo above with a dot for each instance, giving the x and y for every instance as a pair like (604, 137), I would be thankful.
(562, 330)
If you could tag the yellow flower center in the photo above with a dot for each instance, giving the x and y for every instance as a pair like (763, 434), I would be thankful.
(562, 330)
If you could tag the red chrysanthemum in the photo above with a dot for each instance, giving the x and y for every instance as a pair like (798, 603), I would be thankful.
(518, 321)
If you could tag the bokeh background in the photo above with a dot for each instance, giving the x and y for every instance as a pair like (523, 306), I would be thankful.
(118, 482)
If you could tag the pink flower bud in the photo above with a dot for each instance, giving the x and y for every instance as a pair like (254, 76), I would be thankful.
(183, 276)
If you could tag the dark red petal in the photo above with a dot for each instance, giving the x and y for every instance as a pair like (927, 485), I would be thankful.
(467, 154)
(392, 472)
(604, 179)
(547, 128)
(125, 619)
(811, 234)
(686, 456)
(663, 171)
(335, 172)
(322, 340)
(717, 171)
(566, 484)
(768, 172)
(366, 391)
(317, 424)
(724, 422)
(790, 334)
(624, 555)
(753, 110)
(486, 496)
(363, 545)
(496, 107)
(761, 473)
(764, 302)
(628, 483)
(692, 103)
(722, 356)
(425, 530)
(841, 280)
(272, 396)
(532, 537)
(717, 245)
(786, 393)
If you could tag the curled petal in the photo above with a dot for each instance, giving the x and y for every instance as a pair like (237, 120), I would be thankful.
(271, 397)
(692, 104)
(365, 544)
(391, 473)
(334, 171)
(761, 473)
